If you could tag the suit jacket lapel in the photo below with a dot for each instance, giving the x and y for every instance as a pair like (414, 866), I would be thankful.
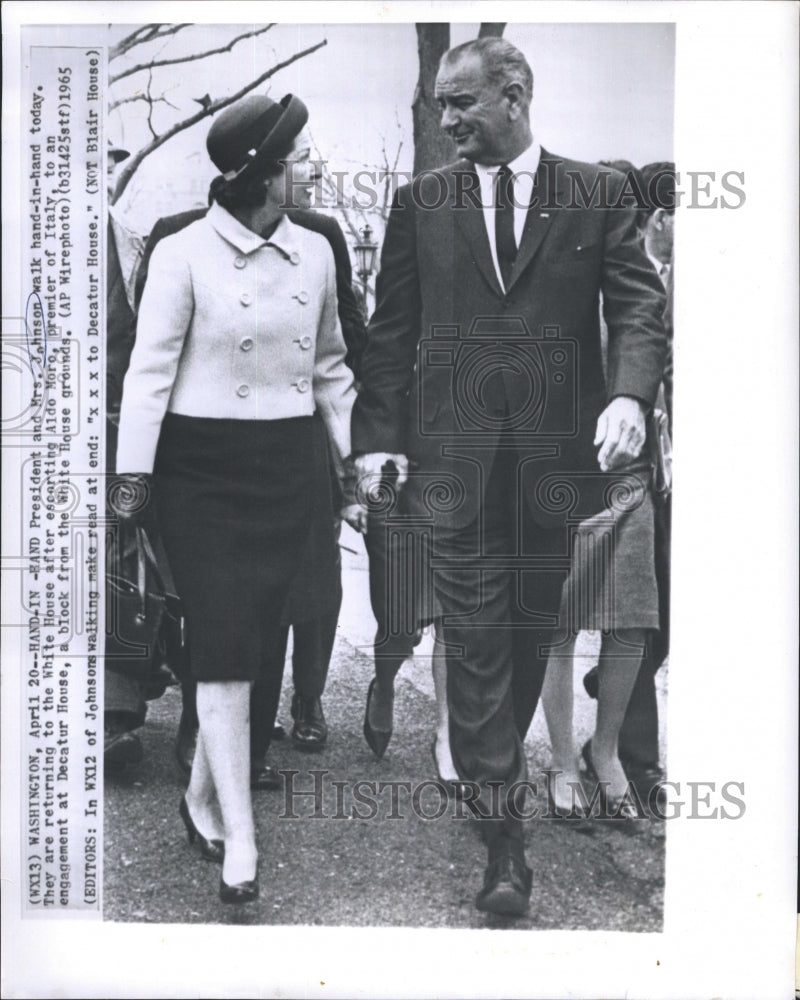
(466, 202)
(544, 207)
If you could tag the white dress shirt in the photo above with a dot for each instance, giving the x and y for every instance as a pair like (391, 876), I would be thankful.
(662, 269)
(524, 168)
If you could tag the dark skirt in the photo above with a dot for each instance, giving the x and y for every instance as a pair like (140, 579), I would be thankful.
(612, 580)
(235, 501)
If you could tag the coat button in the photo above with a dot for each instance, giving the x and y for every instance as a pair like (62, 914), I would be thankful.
(304, 342)
(239, 263)
(247, 344)
(294, 257)
(302, 297)
(303, 385)
(243, 391)
(245, 298)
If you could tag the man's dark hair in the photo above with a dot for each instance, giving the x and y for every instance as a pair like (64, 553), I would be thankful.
(659, 187)
(502, 62)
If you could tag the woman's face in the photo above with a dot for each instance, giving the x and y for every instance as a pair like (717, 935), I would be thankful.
(294, 186)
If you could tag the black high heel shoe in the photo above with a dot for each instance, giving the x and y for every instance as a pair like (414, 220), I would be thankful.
(210, 850)
(377, 739)
(617, 808)
(240, 892)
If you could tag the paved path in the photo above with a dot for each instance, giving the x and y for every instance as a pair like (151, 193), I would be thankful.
(338, 869)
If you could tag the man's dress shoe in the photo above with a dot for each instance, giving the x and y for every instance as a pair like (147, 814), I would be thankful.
(506, 887)
(648, 780)
(310, 731)
(264, 778)
(591, 682)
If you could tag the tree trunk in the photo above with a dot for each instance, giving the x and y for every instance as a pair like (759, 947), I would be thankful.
(491, 29)
(432, 147)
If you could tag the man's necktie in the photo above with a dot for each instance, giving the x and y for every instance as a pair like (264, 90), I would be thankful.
(504, 224)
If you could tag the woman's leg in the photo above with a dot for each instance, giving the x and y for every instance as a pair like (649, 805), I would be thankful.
(619, 664)
(444, 759)
(201, 795)
(223, 708)
(557, 699)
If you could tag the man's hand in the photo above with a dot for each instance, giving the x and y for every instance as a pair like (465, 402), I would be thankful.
(372, 468)
(620, 432)
(356, 517)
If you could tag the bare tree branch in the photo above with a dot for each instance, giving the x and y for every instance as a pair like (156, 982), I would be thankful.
(190, 58)
(162, 99)
(146, 33)
(133, 163)
(150, 104)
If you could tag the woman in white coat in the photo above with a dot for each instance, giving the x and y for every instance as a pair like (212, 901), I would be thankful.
(238, 346)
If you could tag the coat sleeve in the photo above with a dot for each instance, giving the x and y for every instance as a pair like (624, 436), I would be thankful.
(633, 306)
(333, 381)
(387, 366)
(350, 316)
(165, 314)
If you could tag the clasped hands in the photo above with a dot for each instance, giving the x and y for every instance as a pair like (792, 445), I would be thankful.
(620, 435)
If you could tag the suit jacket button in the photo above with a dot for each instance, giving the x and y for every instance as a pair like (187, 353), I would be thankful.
(245, 298)
(305, 343)
(294, 257)
(243, 391)
(247, 344)
(303, 385)
(302, 297)
(239, 263)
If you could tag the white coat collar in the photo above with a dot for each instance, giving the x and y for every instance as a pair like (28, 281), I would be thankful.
(245, 240)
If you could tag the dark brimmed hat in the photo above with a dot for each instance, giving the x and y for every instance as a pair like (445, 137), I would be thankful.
(253, 132)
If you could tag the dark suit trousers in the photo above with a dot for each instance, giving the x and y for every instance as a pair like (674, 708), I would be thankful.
(499, 609)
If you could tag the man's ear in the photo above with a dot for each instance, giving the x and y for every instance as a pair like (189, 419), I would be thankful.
(514, 95)
(658, 217)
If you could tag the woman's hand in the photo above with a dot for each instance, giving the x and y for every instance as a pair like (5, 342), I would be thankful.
(131, 498)
(356, 517)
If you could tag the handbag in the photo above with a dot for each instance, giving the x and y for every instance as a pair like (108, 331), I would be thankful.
(145, 627)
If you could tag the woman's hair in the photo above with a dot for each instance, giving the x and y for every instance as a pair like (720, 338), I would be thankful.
(248, 191)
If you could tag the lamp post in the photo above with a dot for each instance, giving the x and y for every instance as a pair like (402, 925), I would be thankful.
(365, 259)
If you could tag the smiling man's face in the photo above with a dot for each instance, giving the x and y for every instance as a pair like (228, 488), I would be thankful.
(475, 112)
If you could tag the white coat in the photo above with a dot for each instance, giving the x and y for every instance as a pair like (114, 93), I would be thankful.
(234, 326)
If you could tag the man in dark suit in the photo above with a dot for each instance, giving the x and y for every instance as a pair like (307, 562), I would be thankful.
(482, 385)
(319, 581)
